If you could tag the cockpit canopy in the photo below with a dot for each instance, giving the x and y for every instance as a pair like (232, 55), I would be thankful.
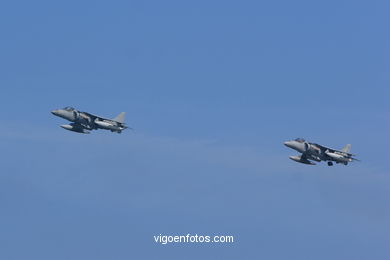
(68, 108)
(300, 140)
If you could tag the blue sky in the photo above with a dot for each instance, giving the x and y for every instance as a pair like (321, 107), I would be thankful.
(213, 89)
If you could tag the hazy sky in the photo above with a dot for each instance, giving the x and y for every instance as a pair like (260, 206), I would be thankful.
(213, 89)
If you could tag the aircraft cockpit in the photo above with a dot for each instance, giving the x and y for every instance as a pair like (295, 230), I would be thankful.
(300, 140)
(69, 108)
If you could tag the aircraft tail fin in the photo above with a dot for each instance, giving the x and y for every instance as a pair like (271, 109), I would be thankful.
(120, 118)
(347, 148)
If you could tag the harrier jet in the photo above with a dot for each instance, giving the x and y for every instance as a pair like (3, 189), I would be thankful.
(83, 122)
(315, 152)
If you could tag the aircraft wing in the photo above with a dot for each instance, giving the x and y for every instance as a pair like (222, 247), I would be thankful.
(324, 148)
(94, 117)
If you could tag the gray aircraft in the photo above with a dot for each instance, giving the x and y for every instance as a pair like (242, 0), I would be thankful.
(83, 122)
(315, 152)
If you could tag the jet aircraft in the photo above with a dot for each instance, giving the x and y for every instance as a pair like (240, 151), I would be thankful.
(315, 152)
(83, 122)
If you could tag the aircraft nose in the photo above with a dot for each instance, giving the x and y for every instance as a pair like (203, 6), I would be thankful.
(54, 112)
(287, 143)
